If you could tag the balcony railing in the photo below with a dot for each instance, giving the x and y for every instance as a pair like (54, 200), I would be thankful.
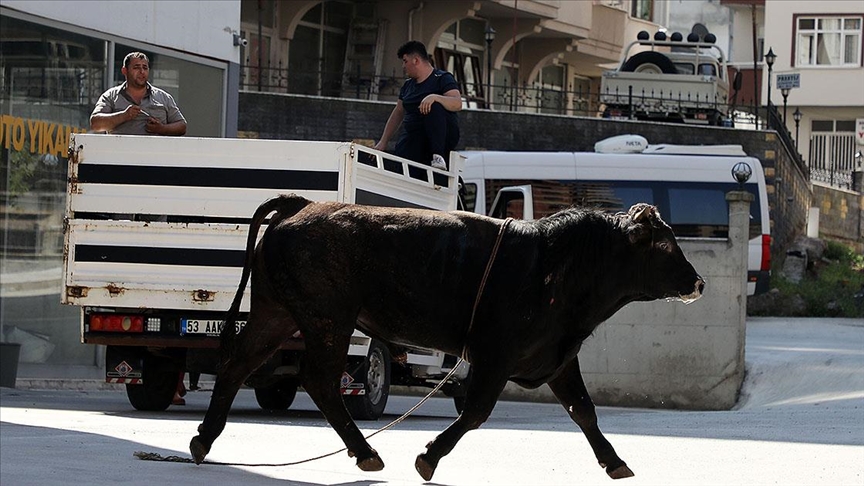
(530, 98)
(832, 158)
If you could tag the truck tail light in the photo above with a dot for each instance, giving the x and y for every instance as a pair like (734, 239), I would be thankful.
(116, 323)
(766, 253)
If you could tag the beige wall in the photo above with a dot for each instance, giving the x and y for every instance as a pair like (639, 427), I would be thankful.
(819, 86)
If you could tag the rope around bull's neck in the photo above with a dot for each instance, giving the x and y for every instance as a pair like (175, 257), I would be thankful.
(154, 456)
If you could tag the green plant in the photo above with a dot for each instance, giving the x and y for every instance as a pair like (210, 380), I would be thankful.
(827, 290)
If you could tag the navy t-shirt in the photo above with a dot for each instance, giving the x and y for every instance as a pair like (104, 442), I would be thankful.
(412, 93)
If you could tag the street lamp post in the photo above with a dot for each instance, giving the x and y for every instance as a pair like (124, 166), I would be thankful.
(797, 116)
(785, 93)
(490, 36)
(769, 60)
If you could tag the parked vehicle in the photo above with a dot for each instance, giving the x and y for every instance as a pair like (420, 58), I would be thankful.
(155, 235)
(687, 183)
(686, 84)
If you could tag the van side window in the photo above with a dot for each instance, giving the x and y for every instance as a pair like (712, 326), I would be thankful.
(700, 212)
(468, 196)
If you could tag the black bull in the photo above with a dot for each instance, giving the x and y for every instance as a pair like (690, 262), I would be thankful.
(412, 276)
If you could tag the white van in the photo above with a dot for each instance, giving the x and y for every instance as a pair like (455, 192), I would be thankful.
(688, 188)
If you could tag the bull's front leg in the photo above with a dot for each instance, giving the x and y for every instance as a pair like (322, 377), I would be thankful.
(570, 390)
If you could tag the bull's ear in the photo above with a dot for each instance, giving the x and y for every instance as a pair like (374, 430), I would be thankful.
(643, 213)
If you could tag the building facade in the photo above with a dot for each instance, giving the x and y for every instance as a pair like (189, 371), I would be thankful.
(56, 58)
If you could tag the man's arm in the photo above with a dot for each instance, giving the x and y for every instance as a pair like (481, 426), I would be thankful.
(451, 101)
(396, 117)
(176, 128)
(105, 122)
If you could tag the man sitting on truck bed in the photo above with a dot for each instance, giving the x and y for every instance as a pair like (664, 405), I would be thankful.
(427, 106)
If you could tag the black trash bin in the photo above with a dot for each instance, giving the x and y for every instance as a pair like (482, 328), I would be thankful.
(9, 363)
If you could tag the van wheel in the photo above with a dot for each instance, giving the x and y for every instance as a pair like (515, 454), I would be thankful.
(649, 62)
(376, 373)
(158, 387)
(278, 396)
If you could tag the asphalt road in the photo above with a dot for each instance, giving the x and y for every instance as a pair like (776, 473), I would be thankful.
(801, 421)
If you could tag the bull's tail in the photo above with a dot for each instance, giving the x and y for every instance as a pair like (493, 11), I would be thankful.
(285, 207)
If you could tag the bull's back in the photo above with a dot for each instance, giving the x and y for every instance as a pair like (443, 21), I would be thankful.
(411, 276)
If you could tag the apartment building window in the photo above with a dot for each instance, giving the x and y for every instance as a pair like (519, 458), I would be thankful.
(642, 9)
(460, 51)
(828, 41)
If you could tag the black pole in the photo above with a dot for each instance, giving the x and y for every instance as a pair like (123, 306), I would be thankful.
(768, 111)
(489, 74)
(260, 37)
(785, 97)
(797, 122)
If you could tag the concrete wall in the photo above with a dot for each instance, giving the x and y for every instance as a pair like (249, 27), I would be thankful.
(841, 215)
(275, 116)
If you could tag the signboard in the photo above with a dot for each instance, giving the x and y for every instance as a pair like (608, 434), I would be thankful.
(788, 80)
(859, 131)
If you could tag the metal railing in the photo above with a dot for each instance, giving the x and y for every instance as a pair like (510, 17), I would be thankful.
(832, 158)
(529, 98)
(775, 122)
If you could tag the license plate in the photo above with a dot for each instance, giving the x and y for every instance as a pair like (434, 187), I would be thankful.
(207, 327)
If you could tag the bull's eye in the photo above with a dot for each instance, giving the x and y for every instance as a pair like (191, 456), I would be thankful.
(664, 245)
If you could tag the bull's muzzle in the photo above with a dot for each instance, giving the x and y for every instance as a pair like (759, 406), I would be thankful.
(698, 288)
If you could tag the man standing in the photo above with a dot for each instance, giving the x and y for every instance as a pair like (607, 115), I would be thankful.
(136, 107)
(426, 109)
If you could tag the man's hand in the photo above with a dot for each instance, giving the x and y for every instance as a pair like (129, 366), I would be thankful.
(426, 104)
(380, 146)
(153, 126)
(131, 112)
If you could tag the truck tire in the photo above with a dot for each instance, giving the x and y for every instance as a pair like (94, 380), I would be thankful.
(649, 62)
(278, 396)
(158, 387)
(376, 373)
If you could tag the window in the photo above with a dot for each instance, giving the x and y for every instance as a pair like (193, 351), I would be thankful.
(828, 41)
(641, 9)
(459, 51)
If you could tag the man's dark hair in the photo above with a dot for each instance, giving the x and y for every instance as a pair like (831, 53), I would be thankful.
(135, 55)
(413, 47)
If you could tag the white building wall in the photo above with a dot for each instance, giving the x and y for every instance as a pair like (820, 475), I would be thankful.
(199, 27)
(820, 86)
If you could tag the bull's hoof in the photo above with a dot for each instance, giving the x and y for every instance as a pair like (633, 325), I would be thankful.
(198, 450)
(425, 468)
(369, 464)
(620, 472)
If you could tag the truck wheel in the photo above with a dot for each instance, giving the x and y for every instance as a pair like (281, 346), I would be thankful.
(278, 396)
(649, 62)
(376, 372)
(157, 390)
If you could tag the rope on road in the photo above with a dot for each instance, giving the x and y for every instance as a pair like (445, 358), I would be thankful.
(155, 456)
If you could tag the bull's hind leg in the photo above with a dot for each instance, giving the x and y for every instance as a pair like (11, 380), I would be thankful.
(480, 398)
(570, 390)
(259, 340)
(324, 363)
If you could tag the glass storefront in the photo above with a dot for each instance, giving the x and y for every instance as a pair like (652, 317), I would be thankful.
(50, 79)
